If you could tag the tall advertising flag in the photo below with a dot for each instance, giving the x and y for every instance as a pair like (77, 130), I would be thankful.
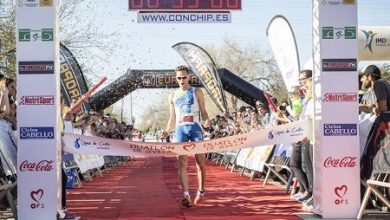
(284, 47)
(204, 68)
(73, 84)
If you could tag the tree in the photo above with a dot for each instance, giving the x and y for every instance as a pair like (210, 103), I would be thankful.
(251, 64)
(7, 39)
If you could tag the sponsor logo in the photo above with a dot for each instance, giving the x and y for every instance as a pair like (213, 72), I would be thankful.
(43, 165)
(224, 144)
(37, 100)
(339, 65)
(338, 2)
(295, 131)
(343, 162)
(340, 97)
(338, 33)
(28, 35)
(152, 149)
(341, 192)
(34, 3)
(340, 129)
(36, 67)
(36, 133)
(102, 145)
(36, 196)
(189, 147)
(45, 3)
(372, 39)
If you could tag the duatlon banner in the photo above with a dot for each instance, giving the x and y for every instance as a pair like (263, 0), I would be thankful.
(284, 47)
(288, 133)
(204, 68)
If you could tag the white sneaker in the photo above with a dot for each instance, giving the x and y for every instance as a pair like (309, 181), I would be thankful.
(296, 195)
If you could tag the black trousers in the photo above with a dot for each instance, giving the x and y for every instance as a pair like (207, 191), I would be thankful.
(296, 167)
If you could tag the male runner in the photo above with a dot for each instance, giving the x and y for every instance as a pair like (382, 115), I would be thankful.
(186, 105)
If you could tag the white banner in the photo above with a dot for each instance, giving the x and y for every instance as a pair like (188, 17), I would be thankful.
(374, 42)
(37, 52)
(78, 144)
(284, 47)
(184, 17)
(336, 187)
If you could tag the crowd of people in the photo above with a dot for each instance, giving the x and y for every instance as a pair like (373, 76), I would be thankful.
(374, 99)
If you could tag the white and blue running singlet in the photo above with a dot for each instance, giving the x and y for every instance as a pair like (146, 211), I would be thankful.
(187, 116)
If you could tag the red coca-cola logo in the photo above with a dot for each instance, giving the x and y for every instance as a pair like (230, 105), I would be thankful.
(343, 162)
(43, 165)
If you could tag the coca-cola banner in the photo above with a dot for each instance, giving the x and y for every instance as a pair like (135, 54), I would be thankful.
(287, 133)
(336, 186)
(38, 112)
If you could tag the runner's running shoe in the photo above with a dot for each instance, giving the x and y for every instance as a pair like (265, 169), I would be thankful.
(199, 197)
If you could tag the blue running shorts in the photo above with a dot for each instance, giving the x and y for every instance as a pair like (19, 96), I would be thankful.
(185, 133)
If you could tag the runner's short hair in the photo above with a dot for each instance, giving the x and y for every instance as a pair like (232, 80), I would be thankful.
(182, 68)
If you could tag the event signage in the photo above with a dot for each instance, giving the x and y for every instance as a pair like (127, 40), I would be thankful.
(73, 84)
(78, 144)
(37, 100)
(205, 69)
(344, 162)
(29, 35)
(340, 129)
(339, 65)
(185, 5)
(41, 166)
(35, 3)
(374, 42)
(36, 133)
(340, 97)
(36, 67)
(336, 187)
(165, 80)
(38, 113)
(283, 44)
(338, 33)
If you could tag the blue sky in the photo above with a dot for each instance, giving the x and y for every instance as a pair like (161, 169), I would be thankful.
(148, 46)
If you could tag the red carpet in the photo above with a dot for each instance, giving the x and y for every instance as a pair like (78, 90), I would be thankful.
(149, 189)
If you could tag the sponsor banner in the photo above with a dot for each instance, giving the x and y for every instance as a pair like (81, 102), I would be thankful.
(28, 133)
(288, 133)
(336, 188)
(339, 65)
(205, 69)
(340, 129)
(338, 2)
(36, 35)
(35, 3)
(37, 58)
(340, 97)
(36, 67)
(165, 80)
(184, 17)
(73, 84)
(338, 32)
(36, 166)
(374, 42)
(37, 100)
(283, 44)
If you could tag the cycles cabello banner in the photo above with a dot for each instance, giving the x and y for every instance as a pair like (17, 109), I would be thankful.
(288, 133)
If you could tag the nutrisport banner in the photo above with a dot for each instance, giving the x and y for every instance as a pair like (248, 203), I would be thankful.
(336, 144)
(283, 44)
(287, 133)
(205, 69)
(39, 162)
(73, 84)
